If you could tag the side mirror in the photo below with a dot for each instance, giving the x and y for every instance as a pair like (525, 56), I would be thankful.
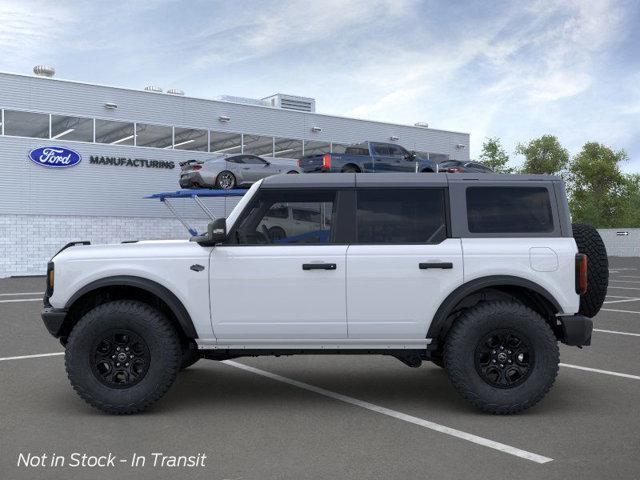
(216, 233)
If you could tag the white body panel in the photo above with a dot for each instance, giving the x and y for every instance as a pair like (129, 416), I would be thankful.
(164, 262)
(262, 292)
(389, 296)
(533, 259)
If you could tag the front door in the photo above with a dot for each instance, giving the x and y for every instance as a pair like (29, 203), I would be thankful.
(280, 278)
(402, 265)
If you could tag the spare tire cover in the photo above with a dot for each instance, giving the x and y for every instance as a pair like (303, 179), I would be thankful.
(590, 243)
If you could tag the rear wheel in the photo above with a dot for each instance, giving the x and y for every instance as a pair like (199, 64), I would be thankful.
(349, 169)
(590, 243)
(122, 356)
(225, 180)
(293, 172)
(502, 357)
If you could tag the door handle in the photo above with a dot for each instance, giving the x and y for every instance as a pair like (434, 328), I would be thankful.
(442, 265)
(319, 266)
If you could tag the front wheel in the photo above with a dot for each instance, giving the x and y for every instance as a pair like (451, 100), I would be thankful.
(122, 356)
(502, 357)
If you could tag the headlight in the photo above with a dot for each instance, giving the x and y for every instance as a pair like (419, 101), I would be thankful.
(50, 279)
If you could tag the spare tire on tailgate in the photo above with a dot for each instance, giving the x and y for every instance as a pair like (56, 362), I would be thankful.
(590, 243)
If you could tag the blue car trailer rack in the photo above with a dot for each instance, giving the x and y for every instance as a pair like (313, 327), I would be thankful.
(195, 195)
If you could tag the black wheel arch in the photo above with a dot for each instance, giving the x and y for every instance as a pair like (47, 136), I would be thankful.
(121, 286)
(530, 293)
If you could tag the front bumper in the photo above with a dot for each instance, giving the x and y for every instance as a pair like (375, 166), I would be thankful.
(53, 319)
(575, 330)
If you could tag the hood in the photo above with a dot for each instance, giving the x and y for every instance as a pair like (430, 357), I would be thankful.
(138, 249)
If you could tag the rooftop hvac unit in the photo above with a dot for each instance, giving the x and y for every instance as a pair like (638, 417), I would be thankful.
(153, 88)
(292, 102)
(175, 91)
(44, 71)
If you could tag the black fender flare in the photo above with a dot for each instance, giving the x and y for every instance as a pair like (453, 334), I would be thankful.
(154, 288)
(439, 322)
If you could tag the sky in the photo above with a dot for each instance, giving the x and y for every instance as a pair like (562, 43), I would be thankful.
(513, 70)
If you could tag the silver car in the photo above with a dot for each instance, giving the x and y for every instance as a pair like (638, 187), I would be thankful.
(231, 171)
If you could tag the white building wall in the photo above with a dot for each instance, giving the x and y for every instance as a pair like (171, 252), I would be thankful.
(620, 245)
(28, 242)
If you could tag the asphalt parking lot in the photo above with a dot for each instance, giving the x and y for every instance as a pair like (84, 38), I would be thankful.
(327, 416)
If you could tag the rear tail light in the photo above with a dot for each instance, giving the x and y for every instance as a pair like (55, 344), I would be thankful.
(454, 170)
(326, 161)
(298, 162)
(196, 167)
(581, 273)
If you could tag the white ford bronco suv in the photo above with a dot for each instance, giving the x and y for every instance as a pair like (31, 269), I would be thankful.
(480, 274)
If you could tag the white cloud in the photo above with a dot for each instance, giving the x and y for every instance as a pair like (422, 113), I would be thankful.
(30, 30)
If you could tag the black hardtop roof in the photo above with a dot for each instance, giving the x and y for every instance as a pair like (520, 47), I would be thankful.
(345, 180)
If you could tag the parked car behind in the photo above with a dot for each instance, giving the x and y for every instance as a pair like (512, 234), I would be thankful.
(231, 171)
(369, 157)
(461, 166)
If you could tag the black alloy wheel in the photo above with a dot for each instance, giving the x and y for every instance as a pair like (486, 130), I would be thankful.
(504, 358)
(120, 359)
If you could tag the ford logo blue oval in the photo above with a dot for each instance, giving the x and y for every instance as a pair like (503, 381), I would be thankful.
(56, 157)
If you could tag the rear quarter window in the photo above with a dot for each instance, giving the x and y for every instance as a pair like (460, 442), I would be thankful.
(509, 210)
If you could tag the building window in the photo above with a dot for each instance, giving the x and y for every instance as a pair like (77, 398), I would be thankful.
(26, 124)
(72, 128)
(287, 148)
(312, 147)
(401, 216)
(157, 136)
(338, 147)
(509, 210)
(258, 145)
(114, 133)
(224, 142)
(190, 139)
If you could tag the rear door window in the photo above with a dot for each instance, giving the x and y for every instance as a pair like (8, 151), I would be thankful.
(509, 210)
(401, 216)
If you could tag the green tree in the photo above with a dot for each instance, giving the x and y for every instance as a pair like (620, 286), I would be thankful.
(599, 190)
(631, 216)
(494, 156)
(544, 155)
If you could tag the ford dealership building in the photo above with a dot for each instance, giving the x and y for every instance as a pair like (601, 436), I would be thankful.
(77, 159)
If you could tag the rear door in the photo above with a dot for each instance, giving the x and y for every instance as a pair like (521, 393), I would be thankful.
(403, 263)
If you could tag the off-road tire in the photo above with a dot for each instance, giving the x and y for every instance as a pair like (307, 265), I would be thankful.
(467, 333)
(148, 323)
(190, 355)
(590, 243)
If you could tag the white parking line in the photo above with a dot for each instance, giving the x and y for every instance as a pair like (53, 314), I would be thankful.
(15, 300)
(616, 332)
(619, 311)
(623, 288)
(597, 370)
(627, 276)
(622, 301)
(625, 281)
(39, 355)
(21, 293)
(398, 415)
